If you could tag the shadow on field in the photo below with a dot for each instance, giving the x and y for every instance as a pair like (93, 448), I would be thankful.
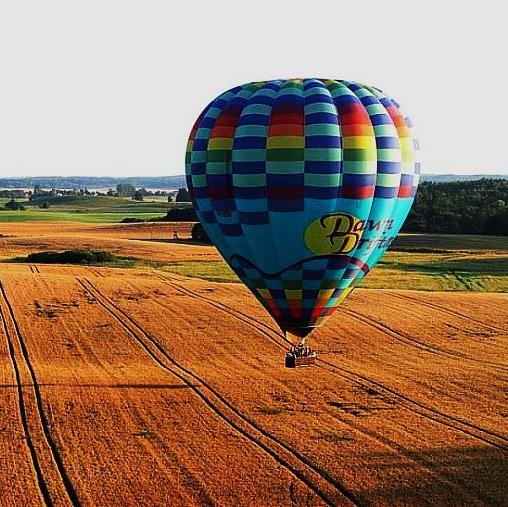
(478, 471)
(183, 241)
(484, 266)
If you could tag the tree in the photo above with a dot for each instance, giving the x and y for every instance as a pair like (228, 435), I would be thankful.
(125, 190)
(12, 205)
(182, 195)
(138, 195)
(460, 207)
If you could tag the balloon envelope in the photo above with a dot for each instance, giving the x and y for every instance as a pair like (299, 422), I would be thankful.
(302, 184)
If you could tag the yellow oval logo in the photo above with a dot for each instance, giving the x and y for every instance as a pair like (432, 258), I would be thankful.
(333, 234)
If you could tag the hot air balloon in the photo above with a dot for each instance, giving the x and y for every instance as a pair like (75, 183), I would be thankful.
(302, 184)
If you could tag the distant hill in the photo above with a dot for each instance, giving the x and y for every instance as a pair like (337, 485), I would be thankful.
(445, 178)
(64, 182)
(171, 182)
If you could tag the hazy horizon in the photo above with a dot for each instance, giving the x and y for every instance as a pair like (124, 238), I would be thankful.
(113, 88)
(139, 176)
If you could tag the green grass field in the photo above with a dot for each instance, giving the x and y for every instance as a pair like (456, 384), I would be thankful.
(398, 270)
(58, 216)
(416, 261)
(92, 209)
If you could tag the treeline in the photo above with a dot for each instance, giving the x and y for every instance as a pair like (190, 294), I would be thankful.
(460, 207)
(69, 182)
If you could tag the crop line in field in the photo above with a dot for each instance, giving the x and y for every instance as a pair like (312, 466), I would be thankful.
(448, 311)
(53, 448)
(267, 330)
(431, 349)
(213, 396)
(409, 403)
(43, 488)
(368, 433)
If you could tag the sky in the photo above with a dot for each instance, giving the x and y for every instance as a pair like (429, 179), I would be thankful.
(112, 88)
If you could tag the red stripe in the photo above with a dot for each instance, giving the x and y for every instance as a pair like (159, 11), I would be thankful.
(223, 131)
(285, 192)
(356, 130)
(358, 192)
(286, 118)
(405, 191)
(316, 312)
(220, 192)
(396, 117)
(226, 119)
(354, 118)
(295, 309)
(286, 130)
(352, 108)
(357, 262)
(273, 307)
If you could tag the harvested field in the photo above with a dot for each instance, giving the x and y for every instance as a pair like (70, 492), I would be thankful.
(141, 386)
(114, 394)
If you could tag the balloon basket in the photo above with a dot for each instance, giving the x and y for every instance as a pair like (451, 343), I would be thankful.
(295, 361)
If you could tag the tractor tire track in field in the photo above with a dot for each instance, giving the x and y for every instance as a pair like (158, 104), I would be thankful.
(466, 427)
(380, 439)
(431, 349)
(97, 273)
(45, 436)
(43, 488)
(449, 311)
(328, 489)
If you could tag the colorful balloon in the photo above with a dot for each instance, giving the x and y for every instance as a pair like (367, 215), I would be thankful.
(302, 184)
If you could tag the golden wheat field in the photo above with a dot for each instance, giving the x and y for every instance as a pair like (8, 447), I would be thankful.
(138, 386)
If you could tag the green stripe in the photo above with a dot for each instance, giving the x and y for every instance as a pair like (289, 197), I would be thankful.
(352, 167)
(198, 157)
(323, 180)
(322, 129)
(217, 167)
(257, 109)
(388, 155)
(249, 180)
(213, 112)
(318, 90)
(323, 154)
(251, 130)
(388, 180)
(387, 130)
(203, 133)
(285, 167)
(199, 180)
(284, 154)
(362, 92)
(218, 156)
(359, 154)
(249, 155)
(376, 109)
(320, 107)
